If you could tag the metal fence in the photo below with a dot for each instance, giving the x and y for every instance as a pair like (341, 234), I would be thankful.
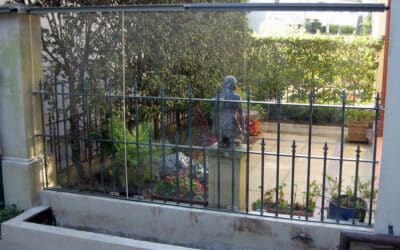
(112, 125)
(273, 177)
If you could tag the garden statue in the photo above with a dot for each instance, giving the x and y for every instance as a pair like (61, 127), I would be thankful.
(228, 121)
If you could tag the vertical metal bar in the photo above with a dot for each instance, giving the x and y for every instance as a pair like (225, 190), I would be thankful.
(219, 138)
(278, 152)
(292, 179)
(151, 164)
(177, 166)
(341, 150)
(310, 122)
(87, 131)
(138, 174)
(233, 174)
(358, 151)
(56, 168)
(163, 139)
(101, 162)
(325, 148)
(1, 182)
(190, 142)
(65, 133)
(262, 174)
(58, 155)
(43, 135)
(111, 114)
(247, 149)
(78, 160)
(205, 167)
(371, 199)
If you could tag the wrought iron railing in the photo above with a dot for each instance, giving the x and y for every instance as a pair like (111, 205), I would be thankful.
(132, 163)
(99, 139)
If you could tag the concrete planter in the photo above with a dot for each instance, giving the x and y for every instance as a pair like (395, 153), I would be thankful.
(142, 223)
(22, 232)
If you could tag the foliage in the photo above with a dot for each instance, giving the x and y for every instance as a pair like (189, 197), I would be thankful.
(256, 204)
(179, 186)
(366, 25)
(137, 156)
(341, 29)
(9, 212)
(314, 26)
(324, 65)
(320, 115)
(348, 197)
(359, 116)
(284, 204)
(314, 192)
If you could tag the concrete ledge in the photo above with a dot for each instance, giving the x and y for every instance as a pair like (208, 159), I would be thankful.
(18, 234)
(189, 227)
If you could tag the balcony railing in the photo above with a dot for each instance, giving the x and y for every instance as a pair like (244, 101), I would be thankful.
(131, 109)
(287, 170)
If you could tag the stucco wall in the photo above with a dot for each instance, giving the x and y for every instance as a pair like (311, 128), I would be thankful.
(189, 227)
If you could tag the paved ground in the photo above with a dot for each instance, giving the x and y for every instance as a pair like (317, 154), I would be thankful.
(299, 133)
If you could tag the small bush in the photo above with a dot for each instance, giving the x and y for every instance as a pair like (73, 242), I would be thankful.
(9, 212)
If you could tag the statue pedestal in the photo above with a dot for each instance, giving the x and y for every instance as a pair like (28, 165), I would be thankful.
(232, 189)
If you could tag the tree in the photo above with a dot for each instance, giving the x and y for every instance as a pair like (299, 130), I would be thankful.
(314, 26)
(96, 53)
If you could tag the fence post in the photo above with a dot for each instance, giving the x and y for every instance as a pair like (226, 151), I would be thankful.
(20, 73)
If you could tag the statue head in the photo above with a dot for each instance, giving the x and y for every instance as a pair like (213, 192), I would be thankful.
(229, 83)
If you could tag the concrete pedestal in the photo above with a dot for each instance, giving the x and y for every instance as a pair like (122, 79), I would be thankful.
(232, 168)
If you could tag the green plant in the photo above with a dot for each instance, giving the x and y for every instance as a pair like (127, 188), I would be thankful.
(256, 204)
(359, 116)
(261, 110)
(347, 195)
(179, 186)
(270, 196)
(314, 192)
(9, 212)
(137, 156)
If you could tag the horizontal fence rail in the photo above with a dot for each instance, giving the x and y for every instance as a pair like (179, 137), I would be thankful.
(360, 7)
(278, 173)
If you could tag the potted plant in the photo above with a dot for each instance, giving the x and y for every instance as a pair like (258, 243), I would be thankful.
(284, 206)
(351, 206)
(256, 205)
(357, 122)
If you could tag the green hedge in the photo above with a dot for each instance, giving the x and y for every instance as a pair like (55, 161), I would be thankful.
(325, 65)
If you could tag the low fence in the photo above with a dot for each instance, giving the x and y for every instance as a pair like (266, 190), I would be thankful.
(294, 175)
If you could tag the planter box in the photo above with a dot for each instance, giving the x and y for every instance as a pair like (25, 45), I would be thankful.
(25, 232)
(357, 132)
(142, 223)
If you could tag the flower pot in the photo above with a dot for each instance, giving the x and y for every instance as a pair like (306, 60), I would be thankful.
(357, 132)
(346, 213)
